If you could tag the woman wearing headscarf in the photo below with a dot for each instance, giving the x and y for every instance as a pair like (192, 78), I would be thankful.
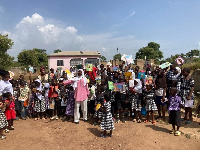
(81, 95)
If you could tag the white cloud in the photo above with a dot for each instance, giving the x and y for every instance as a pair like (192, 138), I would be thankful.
(36, 32)
(131, 14)
(1, 9)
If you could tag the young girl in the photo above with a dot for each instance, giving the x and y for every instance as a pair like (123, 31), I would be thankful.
(136, 99)
(39, 103)
(70, 103)
(174, 111)
(3, 120)
(186, 87)
(53, 95)
(16, 92)
(10, 110)
(150, 102)
(107, 123)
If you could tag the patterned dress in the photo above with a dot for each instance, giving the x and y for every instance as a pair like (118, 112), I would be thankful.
(40, 105)
(136, 102)
(70, 104)
(150, 102)
(3, 120)
(107, 120)
(185, 86)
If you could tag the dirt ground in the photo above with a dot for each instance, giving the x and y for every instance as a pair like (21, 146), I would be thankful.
(51, 135)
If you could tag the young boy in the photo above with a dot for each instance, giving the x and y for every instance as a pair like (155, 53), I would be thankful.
(174, 111)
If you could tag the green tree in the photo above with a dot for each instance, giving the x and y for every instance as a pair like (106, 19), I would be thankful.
(151, 51)
(57, 50)
(5, 59)
(103, 58)
(35, 57)
(117, 56)
(192, 53)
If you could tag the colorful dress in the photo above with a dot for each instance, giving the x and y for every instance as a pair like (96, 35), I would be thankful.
(70, 104)
(10, 110)
(107, 120)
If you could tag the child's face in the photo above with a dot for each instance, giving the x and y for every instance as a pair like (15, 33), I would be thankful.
(148, 87)
(173, 92)
(185, 73)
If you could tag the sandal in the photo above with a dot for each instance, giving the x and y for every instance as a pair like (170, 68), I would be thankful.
(43, 119)
(11, 128)
(172, 131)
(153, 122)
(6, 131)
(134, 120)
(146, 121)
(102, 136)
(3, 137)
(177, 133)
(188, 122)
(139, 121)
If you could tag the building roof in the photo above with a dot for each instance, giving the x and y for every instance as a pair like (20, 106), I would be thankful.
(76, 53)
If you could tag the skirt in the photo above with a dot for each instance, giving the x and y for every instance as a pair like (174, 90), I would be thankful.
(10, 114)
(136, 102)
(3, 120)
(40, 105)
(151, 105)
(107, 121)
(175, 117)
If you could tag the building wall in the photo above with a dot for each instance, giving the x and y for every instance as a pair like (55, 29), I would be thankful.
(66, 61)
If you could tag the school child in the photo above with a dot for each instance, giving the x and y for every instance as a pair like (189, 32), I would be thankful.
(10, 110)
(23, 99)
(70, 103)
(91, 99)
(107, 123)
(16, 92)
(3, 120)
(149, 95)
(54, 101)
(32, 99)
(62, 98)
(39, 102)
(136, 100)
(98, 104)
(186, 87)
(174, 111)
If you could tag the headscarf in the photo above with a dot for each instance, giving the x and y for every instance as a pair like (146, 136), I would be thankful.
(76, 79)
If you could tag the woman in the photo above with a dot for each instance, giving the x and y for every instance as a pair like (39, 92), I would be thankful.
(81, 95)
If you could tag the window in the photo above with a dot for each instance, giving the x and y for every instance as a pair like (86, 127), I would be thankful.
(92, 61)
(60, 63)
(74, 62)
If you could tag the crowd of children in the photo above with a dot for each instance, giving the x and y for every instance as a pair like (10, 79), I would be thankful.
(55, 95)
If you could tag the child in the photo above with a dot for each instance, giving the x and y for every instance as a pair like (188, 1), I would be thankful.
(3, 120)
(62, 99)
(136, 100)
(53, 95)
(150, 103)
(23, 98)
(186, 87)
(39, 103)
(174, 111)
(107, 123)
(70, 103)
(16, 92)
(10, 110)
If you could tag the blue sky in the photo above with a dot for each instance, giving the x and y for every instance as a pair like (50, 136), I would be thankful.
(101, 25)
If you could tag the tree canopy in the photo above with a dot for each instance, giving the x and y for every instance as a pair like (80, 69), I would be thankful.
(151, 51)
(103, 58)
(192, 53)
(35, 57)
(57, 50)
(5, 59)
(117, 56)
